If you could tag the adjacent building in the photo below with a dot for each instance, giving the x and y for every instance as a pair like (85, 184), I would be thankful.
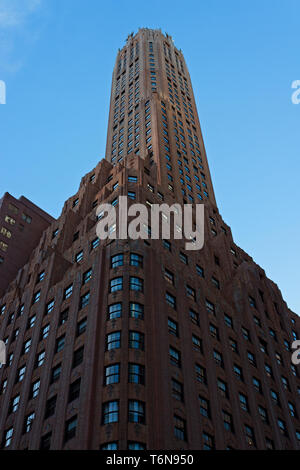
(140, 344)
(21, 226)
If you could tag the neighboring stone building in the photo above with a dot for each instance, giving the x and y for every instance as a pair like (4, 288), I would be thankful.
(21, 226)
(122, 344)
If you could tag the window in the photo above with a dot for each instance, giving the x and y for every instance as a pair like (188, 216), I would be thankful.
(136, 310)
(180, 428)
(114, 311)
(263, 414)
(228, 321)
(169, 277)
(223, 388)
(227, 420)
(214, 332)
(210, 307)
(50, 407)
(171, 300)
(292, 410)
(110, 446)
(113, 340)
(46, 441)
(194, 317)
(136, 374)
(28, 422)
(41, 277)
(243, 402)
(49, 307)
(117, 260)
(63, 318)
(257, 385)
(183, 258)
(282, 427)
(116, 284)
(251, 358)
(35, 388)
(81, 327)
(136, 284)
(215, 282)
(110, 412)
(191, 293)
(79, 256)
(70, 428)
(26, 346)
(167, 245)
(175, 357)
(74, 390)
(136, 260)
(68, 292)
(60, 344)
(218, 358)
(36, 297)
(268, 370)
(204, 407)
(95, 243)
(14, 405)
(45, 331)
(136, 412)
(208, 441)
(84, 300)
(233, 345)
(275, 397)
(112, 374)
(199, 270)
(252, 301)
(136, 340)
(131, 195)
(172, 327)
(132, 179)
(136, 445)
(246, 334)
(78, 357)
(250, 437)
(20, 374)
(285, 383)
(177, 390)
(238, 372)
(87, 276)
(197, 343)
(55, 373)
(8, 434)
(200, 374)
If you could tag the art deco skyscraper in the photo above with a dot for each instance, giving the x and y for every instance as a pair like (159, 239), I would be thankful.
(140, 344)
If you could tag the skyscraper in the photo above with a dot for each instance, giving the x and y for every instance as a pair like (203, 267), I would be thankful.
(140, 344)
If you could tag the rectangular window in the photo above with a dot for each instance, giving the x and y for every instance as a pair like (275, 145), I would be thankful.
(84, 300)
(112, 374)
(116, 284)
(136, 412)
(180, 428)
(110, 412)
(68, 292)
(136, 374)
(113, 340)
(114, 311)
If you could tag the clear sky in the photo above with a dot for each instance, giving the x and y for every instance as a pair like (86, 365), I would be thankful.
(57, 57)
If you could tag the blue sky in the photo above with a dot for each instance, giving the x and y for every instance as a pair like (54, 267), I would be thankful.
(57, 56)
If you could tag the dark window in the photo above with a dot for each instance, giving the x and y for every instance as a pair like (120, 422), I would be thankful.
(136, 374)
(204, 407)
(136, 284)
(200, 374)
(87, 276)
(171, 300)
(55, 374)
(68, 292)
(172, 327)
(70, 428)
(177, 390)
(175, 357)
(74, 390)
(227, 420)
(60, 344)
(84, 300)
(136, 340)
(136, 412)
(180, 428)
(81, 327)
(64, 317)
(78, 357)
(50, 407)
(46, 441)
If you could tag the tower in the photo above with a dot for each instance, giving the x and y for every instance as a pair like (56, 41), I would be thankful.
(139, 344)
